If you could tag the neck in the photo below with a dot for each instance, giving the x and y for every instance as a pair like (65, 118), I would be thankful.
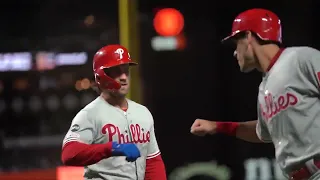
(119, 102)
(265, 54)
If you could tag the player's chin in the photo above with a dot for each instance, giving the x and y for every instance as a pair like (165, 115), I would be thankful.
(123, 92)
(119, 93)
(245, 69)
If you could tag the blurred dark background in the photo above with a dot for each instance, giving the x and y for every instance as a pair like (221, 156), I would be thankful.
(38, 101)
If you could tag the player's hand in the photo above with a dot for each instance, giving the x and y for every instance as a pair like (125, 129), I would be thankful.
(201, 127)
(129, 150)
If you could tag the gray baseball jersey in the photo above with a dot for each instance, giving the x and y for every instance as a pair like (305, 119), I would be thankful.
(99, 122)
(289, 107)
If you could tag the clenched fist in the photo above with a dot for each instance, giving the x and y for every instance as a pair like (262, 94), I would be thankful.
(201, 127)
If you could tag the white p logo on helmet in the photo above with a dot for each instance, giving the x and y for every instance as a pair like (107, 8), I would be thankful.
(120, 52)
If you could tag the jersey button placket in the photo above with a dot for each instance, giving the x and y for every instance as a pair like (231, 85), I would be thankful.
(131, 139)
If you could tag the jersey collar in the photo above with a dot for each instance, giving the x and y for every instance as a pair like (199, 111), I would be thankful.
(274, 59)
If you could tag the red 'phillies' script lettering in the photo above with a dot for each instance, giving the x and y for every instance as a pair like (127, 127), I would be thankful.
(137, 134)
(274, 106)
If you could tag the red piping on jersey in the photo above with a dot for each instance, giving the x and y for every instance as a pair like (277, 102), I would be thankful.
(155, 169)
(80, 154)
(274, 59)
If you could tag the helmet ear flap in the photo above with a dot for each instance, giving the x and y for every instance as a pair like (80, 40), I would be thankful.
(97, 76)
(104, 81)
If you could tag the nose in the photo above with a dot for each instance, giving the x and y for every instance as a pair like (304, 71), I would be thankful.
(235, 54)
(123, 76)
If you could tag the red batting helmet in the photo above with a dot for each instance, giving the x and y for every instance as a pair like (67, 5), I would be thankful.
(107, 57)
(264, 23)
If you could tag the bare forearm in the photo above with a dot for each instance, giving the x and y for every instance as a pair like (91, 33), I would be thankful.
(242, 130)
(247, 132)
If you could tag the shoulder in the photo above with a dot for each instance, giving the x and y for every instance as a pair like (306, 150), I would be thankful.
(305, 50)
(297, 57)
(141, 110)
(303, 53)
(97, 105)
(307, 58)
(290, 53)
(138, 107)
(91, 109)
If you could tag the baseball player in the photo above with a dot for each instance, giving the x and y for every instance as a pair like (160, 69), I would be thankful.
(288, 100)
(113, 137)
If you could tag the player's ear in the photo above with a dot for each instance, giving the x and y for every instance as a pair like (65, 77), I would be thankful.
(249, 36)
(235, 54)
